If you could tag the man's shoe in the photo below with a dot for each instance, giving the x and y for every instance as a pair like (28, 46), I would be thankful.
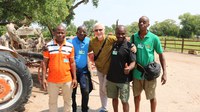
(103, 111)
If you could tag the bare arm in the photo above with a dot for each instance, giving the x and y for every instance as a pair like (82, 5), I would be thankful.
(89, 64)
(132, 65)
(73, 72)
(163, 64)
(129, 67)
(44, 72)
(90, 61)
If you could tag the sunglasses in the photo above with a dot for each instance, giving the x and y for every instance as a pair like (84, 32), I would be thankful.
(96, 30)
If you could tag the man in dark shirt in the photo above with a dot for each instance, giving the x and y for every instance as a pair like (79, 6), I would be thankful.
(122, 62)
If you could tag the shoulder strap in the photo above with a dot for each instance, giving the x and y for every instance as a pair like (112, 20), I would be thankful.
(129, 45)
(133, 39)
(100, 49)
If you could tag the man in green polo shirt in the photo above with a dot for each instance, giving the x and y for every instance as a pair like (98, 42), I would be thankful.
(146, 43)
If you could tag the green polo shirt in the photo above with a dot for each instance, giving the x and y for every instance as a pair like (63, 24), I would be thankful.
(103, 61)
(145, 50)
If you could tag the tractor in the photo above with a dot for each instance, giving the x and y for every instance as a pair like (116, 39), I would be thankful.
(15, 78)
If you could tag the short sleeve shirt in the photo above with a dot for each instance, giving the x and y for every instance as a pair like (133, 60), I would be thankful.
(59, 65)
(145, 50)
(121, 54)
(81, 51)
(103, 62)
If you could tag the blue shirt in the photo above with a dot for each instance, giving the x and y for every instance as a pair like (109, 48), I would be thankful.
(81, 51)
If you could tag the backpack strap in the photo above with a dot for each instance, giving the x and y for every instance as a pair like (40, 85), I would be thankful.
(133, 39)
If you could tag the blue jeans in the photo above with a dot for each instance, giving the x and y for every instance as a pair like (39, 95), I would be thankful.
(84, 79)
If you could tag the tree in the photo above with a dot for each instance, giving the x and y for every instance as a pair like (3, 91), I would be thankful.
(46, 33)
(109, 30)
(156, 28)
(77, 3)
(89, 25)
(48, 13)
(133, 28)
(190, 25)
(2, 30)
(113, 26)
(71, 30)
(197, 26)
(43, 12)
(187, 26)
(167, 27)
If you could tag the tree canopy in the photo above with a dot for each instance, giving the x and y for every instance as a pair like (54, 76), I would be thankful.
(71, 29)
(132, 28)
(89, 25)
(190, 25)
(50, 13)
(167, 27)
(44, 12)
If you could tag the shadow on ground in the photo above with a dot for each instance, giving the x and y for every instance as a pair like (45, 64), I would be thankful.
(78, 110)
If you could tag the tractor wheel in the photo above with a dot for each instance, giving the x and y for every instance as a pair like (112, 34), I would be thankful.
(15, 84)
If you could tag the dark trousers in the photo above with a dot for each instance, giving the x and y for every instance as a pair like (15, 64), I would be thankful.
(84, 79)
(84, 102)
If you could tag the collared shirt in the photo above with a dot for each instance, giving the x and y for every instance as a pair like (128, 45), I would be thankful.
(103, 62)
(59, 65)
(81, 51)
(145, 50)
(121, 54)
(81, 54)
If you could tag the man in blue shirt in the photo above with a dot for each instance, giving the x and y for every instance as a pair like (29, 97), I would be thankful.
(81, 43)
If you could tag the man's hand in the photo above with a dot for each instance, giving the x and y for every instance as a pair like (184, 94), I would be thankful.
(126, 69)
(44, 84)
(164, 78)
(133, 48)
(74, 83)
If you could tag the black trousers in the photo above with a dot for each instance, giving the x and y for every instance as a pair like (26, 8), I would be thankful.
(84, 101)
(84, 79)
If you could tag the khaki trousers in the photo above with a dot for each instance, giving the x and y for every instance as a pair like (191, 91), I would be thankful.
(102, 90)
(53, 91)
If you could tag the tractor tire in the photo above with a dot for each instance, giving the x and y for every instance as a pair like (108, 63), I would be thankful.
(15, 84)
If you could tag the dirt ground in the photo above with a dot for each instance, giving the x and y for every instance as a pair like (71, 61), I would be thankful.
(181, 93)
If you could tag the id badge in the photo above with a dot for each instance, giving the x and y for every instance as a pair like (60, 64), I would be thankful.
(140, 46)
(81, 52)
(114, 52)
(66, 60)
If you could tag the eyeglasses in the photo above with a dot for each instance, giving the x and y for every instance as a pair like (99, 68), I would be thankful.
(96, 30)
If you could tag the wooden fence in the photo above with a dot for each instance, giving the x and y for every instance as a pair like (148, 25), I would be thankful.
(181, 44)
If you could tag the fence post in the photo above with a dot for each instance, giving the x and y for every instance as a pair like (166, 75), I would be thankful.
(165, 43)
(182, 47)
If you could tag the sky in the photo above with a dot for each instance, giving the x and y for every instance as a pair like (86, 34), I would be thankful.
(129, 11)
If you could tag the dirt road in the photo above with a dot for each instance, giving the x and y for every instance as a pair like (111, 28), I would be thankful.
(180, 94)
